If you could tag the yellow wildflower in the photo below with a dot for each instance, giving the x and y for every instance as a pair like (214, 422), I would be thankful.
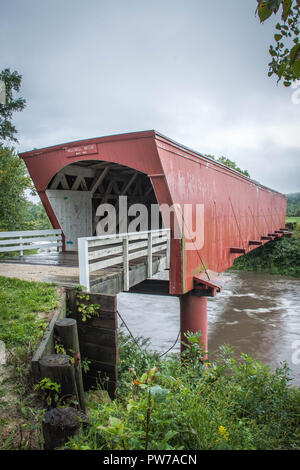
(223, 432)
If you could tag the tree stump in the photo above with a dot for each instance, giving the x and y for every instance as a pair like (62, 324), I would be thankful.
(59, 424)
(59, 368)
(66, 330)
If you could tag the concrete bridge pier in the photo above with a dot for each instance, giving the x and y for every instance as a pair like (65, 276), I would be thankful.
(193, 317)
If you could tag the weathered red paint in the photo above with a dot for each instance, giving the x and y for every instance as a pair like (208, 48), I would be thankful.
(193, 317)
(237, 210)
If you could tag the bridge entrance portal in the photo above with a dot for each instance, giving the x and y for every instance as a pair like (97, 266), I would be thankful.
(77, 190)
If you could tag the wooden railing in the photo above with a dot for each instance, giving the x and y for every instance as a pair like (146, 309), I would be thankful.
(30, 240)
(108, 250)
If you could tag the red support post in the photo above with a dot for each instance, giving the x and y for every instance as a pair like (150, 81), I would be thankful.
(193, 317)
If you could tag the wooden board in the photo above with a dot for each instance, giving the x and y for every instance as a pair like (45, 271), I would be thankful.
(98, 340)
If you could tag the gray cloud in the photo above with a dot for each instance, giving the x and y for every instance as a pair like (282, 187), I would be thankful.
(195, 71)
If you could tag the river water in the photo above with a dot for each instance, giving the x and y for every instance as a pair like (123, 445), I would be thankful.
(257, 314)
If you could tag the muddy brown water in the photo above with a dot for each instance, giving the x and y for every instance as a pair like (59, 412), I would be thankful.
(257, 314)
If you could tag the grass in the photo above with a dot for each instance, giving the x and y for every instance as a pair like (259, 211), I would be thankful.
(173, 404)
(169, 403)
(19, 303)
(25, 308)
(293, 220)
(9, 254)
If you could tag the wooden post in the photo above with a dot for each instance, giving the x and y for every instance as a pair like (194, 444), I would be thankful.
(59, 424)
(60, 369)
(66, 330)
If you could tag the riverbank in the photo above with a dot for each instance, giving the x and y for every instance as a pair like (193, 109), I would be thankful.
(172, 404)
(256, 313)
(25, 311)
(276, 257)
(238, 403)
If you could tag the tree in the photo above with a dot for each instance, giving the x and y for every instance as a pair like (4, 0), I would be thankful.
(12, 82)
(293, 204)
(39, 216)
(285, 53)
(16, 212)
(14, 181)
(230, 164)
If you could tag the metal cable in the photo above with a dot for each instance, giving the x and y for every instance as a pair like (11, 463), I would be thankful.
(197, 251)
(235, 218)
(126, 326)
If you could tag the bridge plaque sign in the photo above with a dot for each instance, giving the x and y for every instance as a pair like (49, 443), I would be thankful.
(81, 150)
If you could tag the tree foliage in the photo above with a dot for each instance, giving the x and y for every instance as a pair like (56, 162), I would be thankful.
(14, 181)
(285, 54)
(276, 257)
(226, 161)
(293, 205)
(12, 82)
(16, 211)
(40, 220)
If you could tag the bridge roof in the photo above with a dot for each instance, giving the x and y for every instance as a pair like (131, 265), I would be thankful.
(133, 136)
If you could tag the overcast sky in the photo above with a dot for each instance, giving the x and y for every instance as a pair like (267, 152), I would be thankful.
(193, 70)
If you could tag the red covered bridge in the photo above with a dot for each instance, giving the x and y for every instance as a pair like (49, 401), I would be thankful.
(238, 214)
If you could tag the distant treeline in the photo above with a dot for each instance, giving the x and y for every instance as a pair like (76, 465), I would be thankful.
(293, 205)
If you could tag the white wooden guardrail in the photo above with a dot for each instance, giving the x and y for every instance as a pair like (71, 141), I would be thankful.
(30, 240)
(108, 250)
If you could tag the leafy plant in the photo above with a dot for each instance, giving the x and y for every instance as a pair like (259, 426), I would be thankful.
(228, 404)
(85, 364)
(194, 356)
(86, 309)
(59, 349)
(50, 392)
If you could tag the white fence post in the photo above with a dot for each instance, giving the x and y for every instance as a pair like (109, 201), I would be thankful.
(59, 244)
(116, 249)
(126, 263)
(150, 238)
(23, 240)
(83, 257)
(168, 253)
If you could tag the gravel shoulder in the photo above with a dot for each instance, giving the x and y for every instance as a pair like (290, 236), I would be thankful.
(40, 273)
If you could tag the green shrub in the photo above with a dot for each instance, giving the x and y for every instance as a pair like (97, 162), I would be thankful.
(276, 257)
(163, 405)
